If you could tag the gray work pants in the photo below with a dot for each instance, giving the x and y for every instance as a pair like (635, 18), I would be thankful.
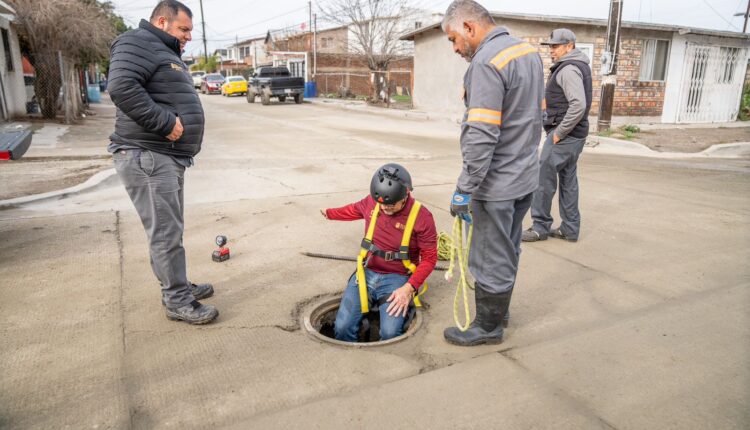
(155, 184)
(561, 161)
(496, 242)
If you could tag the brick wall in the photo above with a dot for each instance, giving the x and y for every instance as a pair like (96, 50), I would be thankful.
(336, 70)
(632, 97)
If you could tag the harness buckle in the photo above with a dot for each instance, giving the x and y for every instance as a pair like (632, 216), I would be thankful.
(390, 255)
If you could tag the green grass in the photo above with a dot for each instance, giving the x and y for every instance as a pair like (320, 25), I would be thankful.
(402, 99)
(626, 132)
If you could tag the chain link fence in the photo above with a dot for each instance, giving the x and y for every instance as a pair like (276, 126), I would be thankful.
(394, 85)
(57, 88)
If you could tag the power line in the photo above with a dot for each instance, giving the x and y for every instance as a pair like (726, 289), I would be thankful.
(719, 14)
(265, 20)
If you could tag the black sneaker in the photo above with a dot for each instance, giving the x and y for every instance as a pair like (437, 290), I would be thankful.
(560, 235)
(532, 235)
(199, 291)
(193, 313)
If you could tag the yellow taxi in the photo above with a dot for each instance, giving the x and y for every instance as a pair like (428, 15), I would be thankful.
(234, 85)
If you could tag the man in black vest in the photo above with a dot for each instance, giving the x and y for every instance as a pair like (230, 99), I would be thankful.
(568, 100)
(158, 131)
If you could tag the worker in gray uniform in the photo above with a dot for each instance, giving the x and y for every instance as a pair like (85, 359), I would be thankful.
(568, 100)
(500, 134)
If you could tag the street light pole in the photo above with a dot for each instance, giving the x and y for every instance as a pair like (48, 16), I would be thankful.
(609, 65)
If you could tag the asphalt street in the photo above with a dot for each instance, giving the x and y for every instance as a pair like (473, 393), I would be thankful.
(644, 323)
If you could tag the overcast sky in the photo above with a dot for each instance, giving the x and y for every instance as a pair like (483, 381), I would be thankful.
(230, 19)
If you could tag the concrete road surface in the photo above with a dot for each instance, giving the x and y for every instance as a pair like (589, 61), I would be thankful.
(644, 323)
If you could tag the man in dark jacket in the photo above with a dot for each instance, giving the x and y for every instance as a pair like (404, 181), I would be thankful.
(568, 100)
(158, 131)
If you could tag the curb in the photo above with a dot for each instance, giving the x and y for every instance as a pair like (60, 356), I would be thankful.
(363, 107)
(91, 182)
(608, 145)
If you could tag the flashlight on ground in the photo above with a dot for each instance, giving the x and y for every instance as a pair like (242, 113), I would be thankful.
(221, 254)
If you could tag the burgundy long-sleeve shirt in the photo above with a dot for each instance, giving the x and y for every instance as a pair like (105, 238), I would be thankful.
(389, 231)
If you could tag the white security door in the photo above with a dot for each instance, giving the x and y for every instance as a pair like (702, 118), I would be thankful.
(297, 68)
(712, 83)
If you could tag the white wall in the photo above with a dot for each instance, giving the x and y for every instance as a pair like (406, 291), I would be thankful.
(438, 74)
(14, 91)
(676, 72)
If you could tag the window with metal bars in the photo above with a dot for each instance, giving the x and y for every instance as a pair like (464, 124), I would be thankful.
(727, 63)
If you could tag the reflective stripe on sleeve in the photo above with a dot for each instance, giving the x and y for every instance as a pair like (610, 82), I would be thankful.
(507, 55)
(488, 116)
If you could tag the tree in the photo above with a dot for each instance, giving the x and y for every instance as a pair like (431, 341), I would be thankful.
(80, 30)
(375, 26)
(210, 66)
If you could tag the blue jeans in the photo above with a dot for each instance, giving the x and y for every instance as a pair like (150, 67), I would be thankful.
(379, 288)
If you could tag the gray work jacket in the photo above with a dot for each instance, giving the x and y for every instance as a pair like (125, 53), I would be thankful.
(502, 126)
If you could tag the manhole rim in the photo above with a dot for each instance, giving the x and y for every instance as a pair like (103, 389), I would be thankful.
(329, 303)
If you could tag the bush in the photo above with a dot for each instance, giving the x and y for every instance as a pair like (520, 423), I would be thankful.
(745, 105)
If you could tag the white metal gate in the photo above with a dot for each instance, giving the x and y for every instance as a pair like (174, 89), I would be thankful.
(712, 83)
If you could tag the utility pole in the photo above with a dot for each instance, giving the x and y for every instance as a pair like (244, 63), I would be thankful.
(309, 10)
(236, 52)
(205, 44)
(746, 14)
(609, 65)
(315, 45)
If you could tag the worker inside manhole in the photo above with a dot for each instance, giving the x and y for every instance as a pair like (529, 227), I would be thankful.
(368, 329)
(397, 255)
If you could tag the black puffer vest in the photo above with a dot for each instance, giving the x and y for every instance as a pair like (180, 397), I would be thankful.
(151, 87)
(557, 104)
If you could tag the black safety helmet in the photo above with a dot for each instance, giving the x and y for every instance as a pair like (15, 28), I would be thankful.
(390, 184)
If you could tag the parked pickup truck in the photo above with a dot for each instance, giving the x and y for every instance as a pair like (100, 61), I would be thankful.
(276, 82)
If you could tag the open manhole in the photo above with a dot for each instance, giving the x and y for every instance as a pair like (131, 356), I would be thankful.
(319, 321)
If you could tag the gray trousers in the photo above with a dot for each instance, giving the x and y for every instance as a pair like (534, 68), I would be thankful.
(561, 161)
(155, 184)
(496, 243)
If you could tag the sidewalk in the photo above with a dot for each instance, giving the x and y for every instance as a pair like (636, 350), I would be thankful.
(655, 139)
(61, 156)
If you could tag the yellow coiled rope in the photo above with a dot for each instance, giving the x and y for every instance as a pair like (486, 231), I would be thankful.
(457, 251)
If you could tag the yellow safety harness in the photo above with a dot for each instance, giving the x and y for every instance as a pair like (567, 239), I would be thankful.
(403, 254)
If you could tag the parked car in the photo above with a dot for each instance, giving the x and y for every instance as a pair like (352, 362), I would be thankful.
(234, 85)
(275, 82)
(211, 83)
(197, 77)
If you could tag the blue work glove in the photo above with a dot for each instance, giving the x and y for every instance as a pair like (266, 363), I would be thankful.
(460, 206)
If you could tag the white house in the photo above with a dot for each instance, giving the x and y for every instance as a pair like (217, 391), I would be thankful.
(12, 89)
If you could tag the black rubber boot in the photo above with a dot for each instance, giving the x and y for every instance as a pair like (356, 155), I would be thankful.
(487, 327)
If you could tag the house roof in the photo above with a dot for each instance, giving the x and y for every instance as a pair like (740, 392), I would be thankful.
(594, 22)
(246, 41)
